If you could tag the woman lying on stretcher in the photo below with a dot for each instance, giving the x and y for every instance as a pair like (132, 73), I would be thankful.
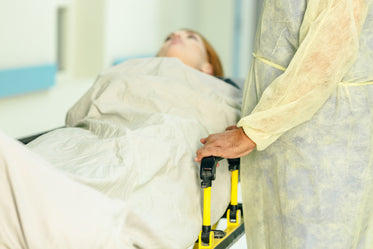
(121, 173)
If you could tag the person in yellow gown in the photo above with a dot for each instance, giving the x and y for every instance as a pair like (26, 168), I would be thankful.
(306, 132)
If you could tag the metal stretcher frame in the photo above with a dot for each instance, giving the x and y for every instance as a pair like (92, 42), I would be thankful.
(218, 239)
(209, 238)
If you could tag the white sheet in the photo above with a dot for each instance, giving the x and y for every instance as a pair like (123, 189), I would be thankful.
(133, 137)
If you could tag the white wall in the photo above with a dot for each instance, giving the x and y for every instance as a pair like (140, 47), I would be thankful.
(131, 28)
(121, 28)
(33, 113)
(247, 26)
(26, 32)
(86, 39)
(96, 33)
(217, 24)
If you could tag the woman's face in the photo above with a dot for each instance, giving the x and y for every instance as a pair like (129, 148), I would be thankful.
(189, 48)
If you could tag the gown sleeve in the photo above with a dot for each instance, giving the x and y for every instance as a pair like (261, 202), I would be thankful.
(329, 44)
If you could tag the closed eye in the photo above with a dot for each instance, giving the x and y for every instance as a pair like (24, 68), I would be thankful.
(192, 36)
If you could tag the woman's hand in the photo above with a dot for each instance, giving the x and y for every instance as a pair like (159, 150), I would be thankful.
(233, 143)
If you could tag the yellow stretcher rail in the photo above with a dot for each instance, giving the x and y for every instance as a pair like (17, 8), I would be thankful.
(217, 239)
(206, 206)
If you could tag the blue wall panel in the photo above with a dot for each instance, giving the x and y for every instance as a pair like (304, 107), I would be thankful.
(26, 79)
(122, 59)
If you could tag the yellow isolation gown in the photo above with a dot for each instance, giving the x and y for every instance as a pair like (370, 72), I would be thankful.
(308, 104)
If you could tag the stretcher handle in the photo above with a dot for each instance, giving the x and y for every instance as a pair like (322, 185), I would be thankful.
(208, 170)
(234, 164)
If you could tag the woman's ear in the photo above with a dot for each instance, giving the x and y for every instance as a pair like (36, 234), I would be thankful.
(207, 68)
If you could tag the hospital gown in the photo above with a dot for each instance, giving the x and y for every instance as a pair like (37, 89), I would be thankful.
(308, 105)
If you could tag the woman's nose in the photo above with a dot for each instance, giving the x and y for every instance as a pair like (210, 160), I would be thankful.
(176, 38)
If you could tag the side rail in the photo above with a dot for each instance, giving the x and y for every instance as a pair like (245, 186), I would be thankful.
(28, 139)
(218, 239)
